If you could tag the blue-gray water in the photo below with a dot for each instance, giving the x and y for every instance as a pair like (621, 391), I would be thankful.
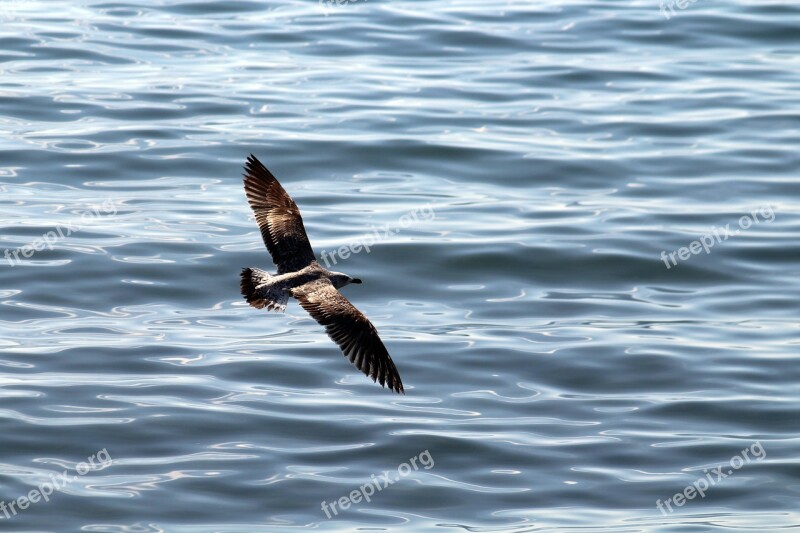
(558, 374)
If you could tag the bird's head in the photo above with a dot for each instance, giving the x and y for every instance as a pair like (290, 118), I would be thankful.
(339, 280)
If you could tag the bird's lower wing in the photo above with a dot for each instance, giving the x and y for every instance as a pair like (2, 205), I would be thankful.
(278, 218)
(351, 330)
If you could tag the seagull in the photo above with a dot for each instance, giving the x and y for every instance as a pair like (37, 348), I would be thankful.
(300, 276)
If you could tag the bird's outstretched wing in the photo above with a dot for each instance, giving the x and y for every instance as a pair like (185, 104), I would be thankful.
(351, 330)
(278, 218)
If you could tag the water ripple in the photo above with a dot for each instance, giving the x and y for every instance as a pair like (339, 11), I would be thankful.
(561, 375)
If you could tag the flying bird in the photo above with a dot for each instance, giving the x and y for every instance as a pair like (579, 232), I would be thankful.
(300, 276)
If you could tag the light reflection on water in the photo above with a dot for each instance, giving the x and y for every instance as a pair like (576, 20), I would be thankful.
(559, 374)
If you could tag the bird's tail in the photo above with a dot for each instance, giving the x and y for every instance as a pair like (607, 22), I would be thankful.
(259, 293)
(251, 278)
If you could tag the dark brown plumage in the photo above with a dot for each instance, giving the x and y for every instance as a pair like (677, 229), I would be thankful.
(350, 329)
(300, 276)
(278, 218)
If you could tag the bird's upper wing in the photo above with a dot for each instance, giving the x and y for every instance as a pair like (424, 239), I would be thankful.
(350, 329)
(278, 218)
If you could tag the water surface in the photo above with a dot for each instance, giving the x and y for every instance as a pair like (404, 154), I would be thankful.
(558, 373)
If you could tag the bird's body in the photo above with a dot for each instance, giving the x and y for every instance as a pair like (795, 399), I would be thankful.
(300, 276)
(263, 289)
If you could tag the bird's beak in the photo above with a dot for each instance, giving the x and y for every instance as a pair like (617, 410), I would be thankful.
(355, 280)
